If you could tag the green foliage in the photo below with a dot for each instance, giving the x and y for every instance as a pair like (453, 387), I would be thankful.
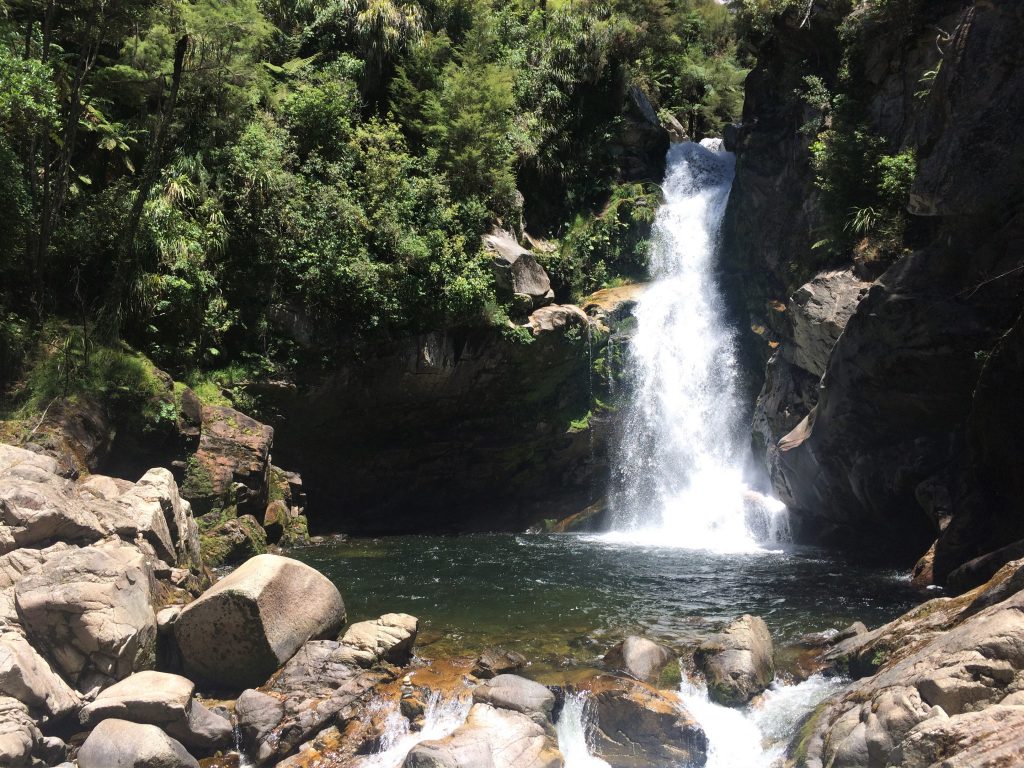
(268, 184)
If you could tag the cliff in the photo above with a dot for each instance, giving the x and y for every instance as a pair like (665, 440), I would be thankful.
(889, 413)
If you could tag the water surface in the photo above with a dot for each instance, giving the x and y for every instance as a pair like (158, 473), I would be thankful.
(562, 600)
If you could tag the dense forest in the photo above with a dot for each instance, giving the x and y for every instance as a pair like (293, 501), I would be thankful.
(185, 177)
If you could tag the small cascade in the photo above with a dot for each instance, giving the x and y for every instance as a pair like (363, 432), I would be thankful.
(441, 716)
(682, 448)
(236, 732)
(571, 729)
(756, 736)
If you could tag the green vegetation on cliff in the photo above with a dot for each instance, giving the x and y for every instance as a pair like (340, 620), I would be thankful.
(252, 184)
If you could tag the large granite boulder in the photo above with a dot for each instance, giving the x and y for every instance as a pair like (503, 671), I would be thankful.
(490, 738)
(164, 700)
(122, 744)
(639, 657)
(251, 622)
(738, 662)
(389, 638)
(90, 612)
(28, 677)
(518, 694)
(636, 725)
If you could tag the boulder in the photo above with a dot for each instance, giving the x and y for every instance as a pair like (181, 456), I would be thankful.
(164, 700)
(516, 271)
(389, 638)
(991, 738)
(518, 694)
(122, 744)
(19, 737)
(90, 612)
(490, 738)
(251, 622)
(636, 725)
(14, 565)
(640, 658)
(738, 662)
(27, 677)
(497, 661)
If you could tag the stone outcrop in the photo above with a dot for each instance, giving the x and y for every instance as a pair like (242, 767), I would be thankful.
(490, 738)
(28, 677)
(639, 657)
(941, 685)
(19, 737)
(122, 744)
(90, 611)
(738, 662)
(636, 725)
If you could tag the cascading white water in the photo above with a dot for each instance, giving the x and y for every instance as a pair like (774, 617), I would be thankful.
(681, 450)
(441, 716)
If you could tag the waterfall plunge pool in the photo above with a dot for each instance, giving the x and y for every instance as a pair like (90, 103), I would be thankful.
(562, 600)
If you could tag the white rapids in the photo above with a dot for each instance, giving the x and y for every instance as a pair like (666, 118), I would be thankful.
(682, 449)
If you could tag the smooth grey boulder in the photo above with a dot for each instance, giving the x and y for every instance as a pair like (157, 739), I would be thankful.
(251, 622)
(518, 694)
(90, 612)
(164, 700)
(28, 677)
(19, 736)
(389, 638)
(738, 662)
(122, 744)
(639, 657)
(490, 738)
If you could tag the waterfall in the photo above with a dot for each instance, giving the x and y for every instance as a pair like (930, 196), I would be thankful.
(441, 716)
(571, 730)
(682, 447)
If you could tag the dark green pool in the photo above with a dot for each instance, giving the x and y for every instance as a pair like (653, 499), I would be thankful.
(562, 600)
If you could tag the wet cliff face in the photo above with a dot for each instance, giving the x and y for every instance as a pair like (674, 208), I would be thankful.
(909, 432)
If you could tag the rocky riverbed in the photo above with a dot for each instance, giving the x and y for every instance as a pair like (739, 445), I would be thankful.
(117, 650)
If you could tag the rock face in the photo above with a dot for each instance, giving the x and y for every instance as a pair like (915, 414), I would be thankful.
(490, 738)
(637, 656)
(941, 686)
(91, 612)
(251, 622)
(19, 737)
(636, 725)
(121, 744)
(452, 423)
(738, 662)
(909, 438)
(164, 700)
